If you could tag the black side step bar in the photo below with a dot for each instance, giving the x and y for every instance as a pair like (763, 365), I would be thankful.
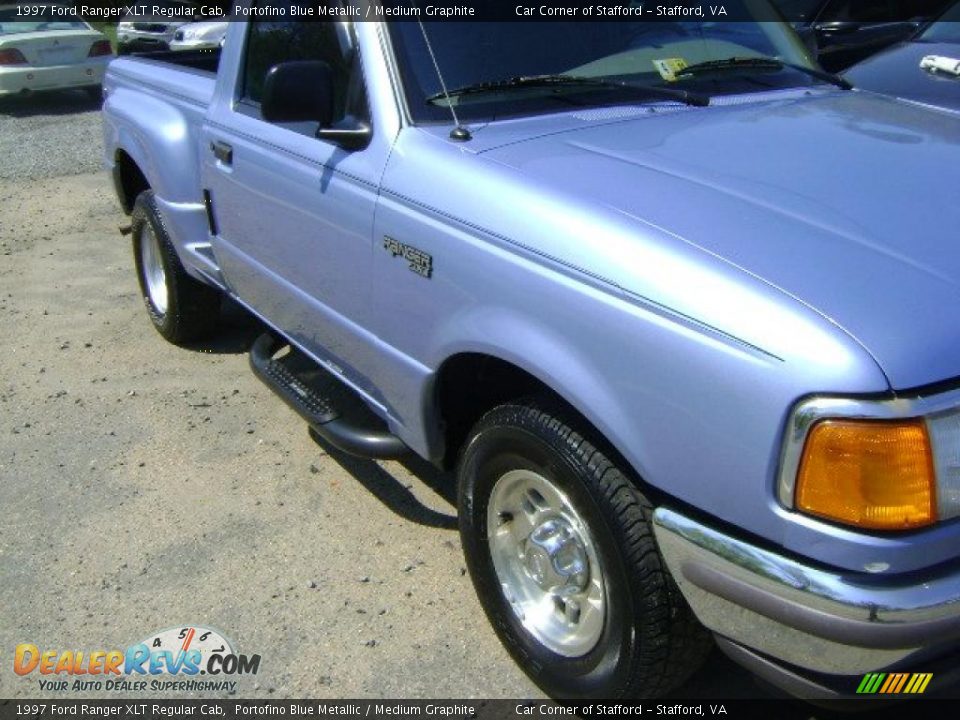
(363, 439)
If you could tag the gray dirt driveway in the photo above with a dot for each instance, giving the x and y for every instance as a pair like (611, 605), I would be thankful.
(145, 486)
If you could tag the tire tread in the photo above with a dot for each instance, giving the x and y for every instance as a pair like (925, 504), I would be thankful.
(673, 644)
(193, 307)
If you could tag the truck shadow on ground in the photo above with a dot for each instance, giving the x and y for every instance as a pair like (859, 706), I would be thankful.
(236, 332)
(392, 492)
(63, 102)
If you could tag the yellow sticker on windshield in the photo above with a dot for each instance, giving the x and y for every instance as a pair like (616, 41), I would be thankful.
(669, 68)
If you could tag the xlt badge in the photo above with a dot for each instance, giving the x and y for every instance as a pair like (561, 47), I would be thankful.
(420, 262)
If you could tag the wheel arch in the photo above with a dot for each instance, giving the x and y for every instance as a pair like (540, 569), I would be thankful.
(468, 384)
(129, 179)
(471, 383)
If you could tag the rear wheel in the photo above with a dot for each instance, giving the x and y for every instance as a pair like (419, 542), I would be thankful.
(180, 307)
(561, 551)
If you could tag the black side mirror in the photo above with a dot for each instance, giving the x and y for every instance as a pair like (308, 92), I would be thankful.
(298, 91)
(302, 91)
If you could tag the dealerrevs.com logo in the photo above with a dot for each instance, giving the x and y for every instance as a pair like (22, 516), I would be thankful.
(169, 660)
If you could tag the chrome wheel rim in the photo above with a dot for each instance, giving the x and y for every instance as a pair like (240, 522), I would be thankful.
(546, 562)
(155, 277)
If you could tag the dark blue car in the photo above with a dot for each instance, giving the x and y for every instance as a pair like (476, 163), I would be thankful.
(848, 31)
(925, 69)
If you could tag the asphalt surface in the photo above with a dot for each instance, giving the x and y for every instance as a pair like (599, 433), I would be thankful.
(145, 486)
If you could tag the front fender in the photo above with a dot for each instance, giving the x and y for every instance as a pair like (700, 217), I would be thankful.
(545, 352)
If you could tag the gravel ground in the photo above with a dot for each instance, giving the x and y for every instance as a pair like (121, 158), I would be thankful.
(146, 486)
(49, 135)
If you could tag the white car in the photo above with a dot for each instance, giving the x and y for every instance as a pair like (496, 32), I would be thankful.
(151, 27)
(50, 53)
(146, 34)
(200, 36)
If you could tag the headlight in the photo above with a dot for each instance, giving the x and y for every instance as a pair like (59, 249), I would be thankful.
(944, 429)
(125, 26)
(882, 465)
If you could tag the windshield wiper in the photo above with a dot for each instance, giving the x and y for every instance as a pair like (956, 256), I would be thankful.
(761, 63)
(525, 81)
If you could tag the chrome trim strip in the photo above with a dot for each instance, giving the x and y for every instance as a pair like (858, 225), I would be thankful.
(807, 412)
(393, 71)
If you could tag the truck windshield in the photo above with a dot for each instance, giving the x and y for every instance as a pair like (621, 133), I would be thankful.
(493, 69)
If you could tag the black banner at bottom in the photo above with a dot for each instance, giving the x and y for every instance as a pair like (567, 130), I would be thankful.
(140, 709)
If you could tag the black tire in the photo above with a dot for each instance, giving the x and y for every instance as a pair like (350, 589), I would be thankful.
(192, 308)
(94, 92)
(650, 640)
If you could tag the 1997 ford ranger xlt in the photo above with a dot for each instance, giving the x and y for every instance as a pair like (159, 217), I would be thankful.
(672, 303)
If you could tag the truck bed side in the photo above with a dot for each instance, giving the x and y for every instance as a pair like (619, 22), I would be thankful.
(153, 111)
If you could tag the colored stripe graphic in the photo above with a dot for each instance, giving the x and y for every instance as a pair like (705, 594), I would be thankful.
(922, 682)
(891, 680)
(903, 681)
(894, 683)
(870, 683)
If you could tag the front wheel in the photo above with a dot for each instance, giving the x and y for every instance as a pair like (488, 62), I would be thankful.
(561, 551)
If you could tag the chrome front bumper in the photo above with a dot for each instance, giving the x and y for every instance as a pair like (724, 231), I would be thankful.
(814, 619)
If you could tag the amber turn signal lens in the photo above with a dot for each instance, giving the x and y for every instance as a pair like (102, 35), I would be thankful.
(871, 474)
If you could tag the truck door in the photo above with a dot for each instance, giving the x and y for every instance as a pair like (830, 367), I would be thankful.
(293, 214)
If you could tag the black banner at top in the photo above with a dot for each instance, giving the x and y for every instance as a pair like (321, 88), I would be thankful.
(405, 10)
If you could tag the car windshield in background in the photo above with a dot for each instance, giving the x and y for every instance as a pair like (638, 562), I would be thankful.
(494, 69)
(946, 29)
(11, 22)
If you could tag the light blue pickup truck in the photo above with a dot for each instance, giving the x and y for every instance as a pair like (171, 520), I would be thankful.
(677, 308)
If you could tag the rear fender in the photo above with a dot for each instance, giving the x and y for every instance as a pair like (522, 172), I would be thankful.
(156, 136)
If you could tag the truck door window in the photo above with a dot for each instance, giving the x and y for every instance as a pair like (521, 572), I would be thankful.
(270, 42)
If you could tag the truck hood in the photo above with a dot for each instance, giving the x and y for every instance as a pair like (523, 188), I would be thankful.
(846, 201)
